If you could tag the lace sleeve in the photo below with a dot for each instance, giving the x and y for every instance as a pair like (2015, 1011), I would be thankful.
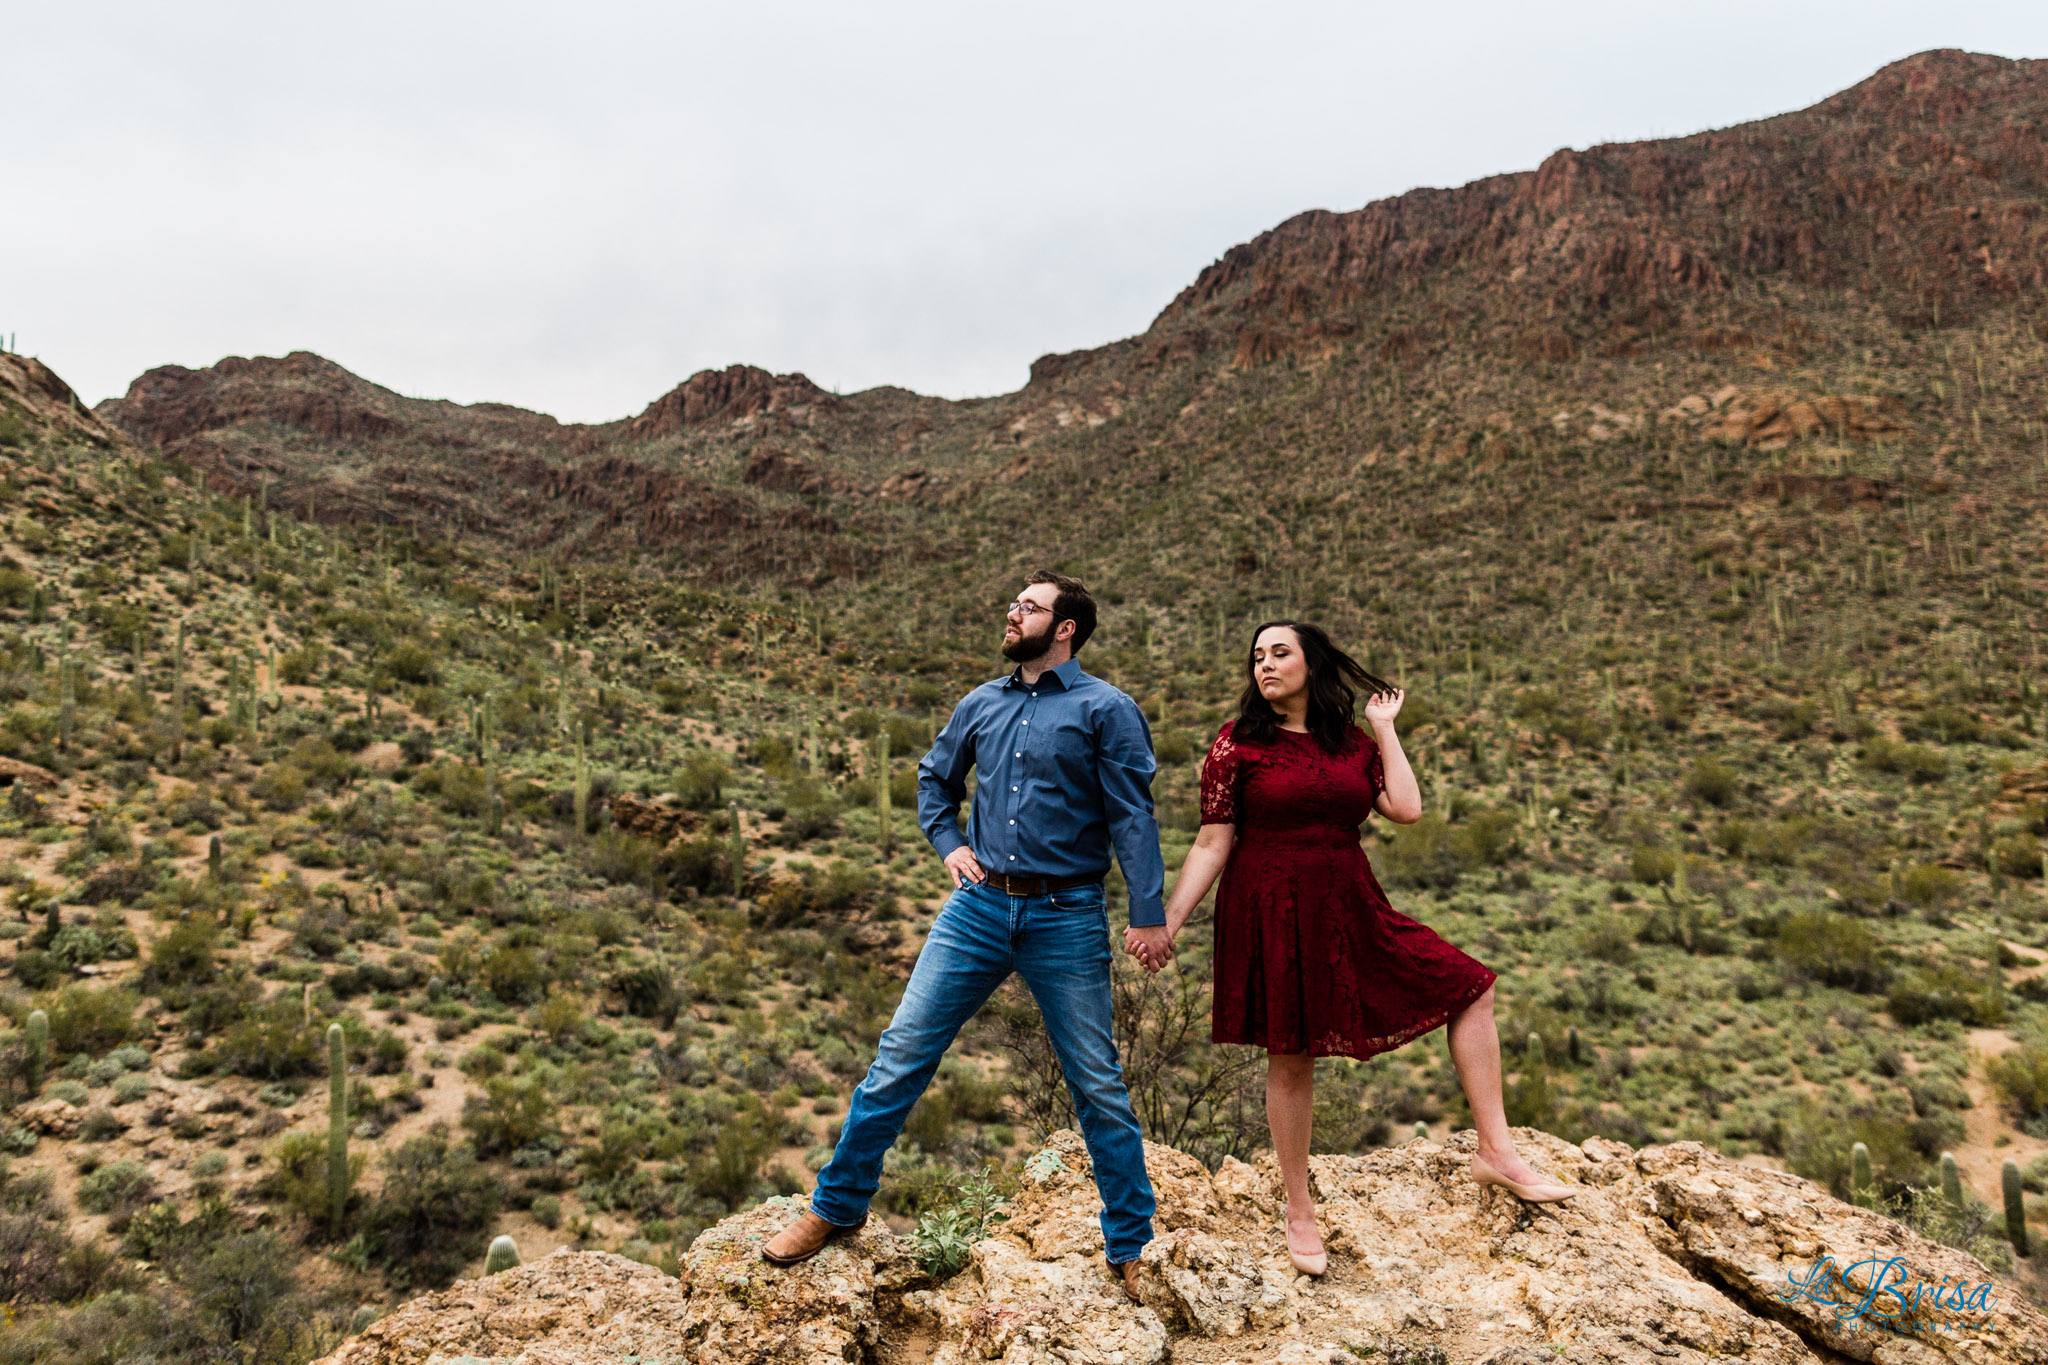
(1375, 770)
(1222, 776)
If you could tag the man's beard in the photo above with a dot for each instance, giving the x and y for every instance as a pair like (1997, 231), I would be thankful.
(1025, 648)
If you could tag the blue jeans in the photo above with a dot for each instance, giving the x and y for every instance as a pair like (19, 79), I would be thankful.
(1059, 944)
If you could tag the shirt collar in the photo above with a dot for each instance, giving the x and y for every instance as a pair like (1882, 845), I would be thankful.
(1066, 674)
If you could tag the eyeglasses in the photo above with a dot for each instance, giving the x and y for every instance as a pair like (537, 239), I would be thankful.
(1024, 607)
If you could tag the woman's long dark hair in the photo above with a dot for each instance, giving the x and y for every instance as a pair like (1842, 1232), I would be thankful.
(1334, 678)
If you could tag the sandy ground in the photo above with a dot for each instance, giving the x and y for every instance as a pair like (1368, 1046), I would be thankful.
(1980, 1157)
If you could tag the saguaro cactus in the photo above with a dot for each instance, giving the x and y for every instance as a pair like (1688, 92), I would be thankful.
(1571, 1046)
(178, 691)
(503, 1255)
(1421, 1130)
(2015, 1206)
(582, 782)
(1533, 1053)
(67, 704)
(1860, 1185)
(1951, 1181)
(38, 1049)
(213, 856)
(739, 848)
(337, 1126)
(882, 786)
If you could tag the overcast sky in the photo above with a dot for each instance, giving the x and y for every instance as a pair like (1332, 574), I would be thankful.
(573, 206)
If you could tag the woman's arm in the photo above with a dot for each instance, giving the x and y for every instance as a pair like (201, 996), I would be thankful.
(1203, 866)
(1401, 799)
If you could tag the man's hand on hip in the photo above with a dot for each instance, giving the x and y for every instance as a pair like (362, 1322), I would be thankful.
(1151, 945)
(964, 866)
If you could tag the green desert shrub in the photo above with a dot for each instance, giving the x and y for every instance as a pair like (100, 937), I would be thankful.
(810, 811)
(510, 1114)
(183, 956)
(1673, 706)
(1609, 939)
(2021, 1078)
(516, 975)
(296, 1175)
(1712, 781)
(623, 859)
(119, 1187)
(434, 1212)
(700, 780)
(1929, 885)
(88, 1020)
(273, 1042)
(1434, 852)
(2017, 855)
(410, 662)
(701, 864)
(1945, 991)
(1915, 762)
(1819, 945)
(459, 787)
(1817, 1142)
(1653, 863)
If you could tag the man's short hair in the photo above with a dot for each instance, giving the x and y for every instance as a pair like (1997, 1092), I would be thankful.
(1073, 604)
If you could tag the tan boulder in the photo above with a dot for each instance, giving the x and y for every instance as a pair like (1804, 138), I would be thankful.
(571, 1308)
(1674, 1255)
(52, 1118)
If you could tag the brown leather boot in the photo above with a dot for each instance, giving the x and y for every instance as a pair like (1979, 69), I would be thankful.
(803, 1239)
(1127, 1273)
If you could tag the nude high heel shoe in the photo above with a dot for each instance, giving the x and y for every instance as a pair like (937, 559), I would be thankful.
(1311, 1264)
(1547, 1193)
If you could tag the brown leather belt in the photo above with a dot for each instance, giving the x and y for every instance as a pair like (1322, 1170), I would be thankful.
(1039, 886)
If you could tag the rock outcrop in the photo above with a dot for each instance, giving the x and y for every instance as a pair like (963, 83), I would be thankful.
(1675, 1255)
(30, 391)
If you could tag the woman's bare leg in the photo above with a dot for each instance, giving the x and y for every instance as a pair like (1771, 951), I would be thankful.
(1290, 1111)
(1475, 1050)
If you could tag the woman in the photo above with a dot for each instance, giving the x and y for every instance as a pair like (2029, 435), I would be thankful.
(1310, 960)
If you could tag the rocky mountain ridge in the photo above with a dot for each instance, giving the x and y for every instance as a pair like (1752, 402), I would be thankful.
(1674, 1256)
(1913, 202)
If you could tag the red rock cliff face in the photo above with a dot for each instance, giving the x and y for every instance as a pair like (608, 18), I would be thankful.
(723, 396)
(1925, 185)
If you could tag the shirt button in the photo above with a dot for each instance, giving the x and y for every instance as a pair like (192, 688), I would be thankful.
(1018, 754)
(1013, 789)
(1013, 822)
(1027, 722)
(1013, 857)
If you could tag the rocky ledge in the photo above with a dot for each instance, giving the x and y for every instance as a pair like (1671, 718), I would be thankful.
(1675, 1255)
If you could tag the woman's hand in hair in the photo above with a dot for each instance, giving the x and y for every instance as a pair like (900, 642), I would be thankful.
(1382, 707)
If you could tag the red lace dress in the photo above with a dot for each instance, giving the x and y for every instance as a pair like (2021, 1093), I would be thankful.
(1309, 955)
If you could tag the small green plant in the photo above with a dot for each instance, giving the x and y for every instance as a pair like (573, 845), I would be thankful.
(945, 1236)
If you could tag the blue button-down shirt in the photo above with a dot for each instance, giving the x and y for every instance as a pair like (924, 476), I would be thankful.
(1065, 770)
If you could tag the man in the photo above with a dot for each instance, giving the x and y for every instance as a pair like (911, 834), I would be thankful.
(1065, 763)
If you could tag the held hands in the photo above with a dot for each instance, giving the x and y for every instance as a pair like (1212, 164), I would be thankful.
(964, 867)
(1384, 706)
(1151, 945)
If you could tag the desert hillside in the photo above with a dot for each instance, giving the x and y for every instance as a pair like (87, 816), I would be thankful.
(426, 822)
